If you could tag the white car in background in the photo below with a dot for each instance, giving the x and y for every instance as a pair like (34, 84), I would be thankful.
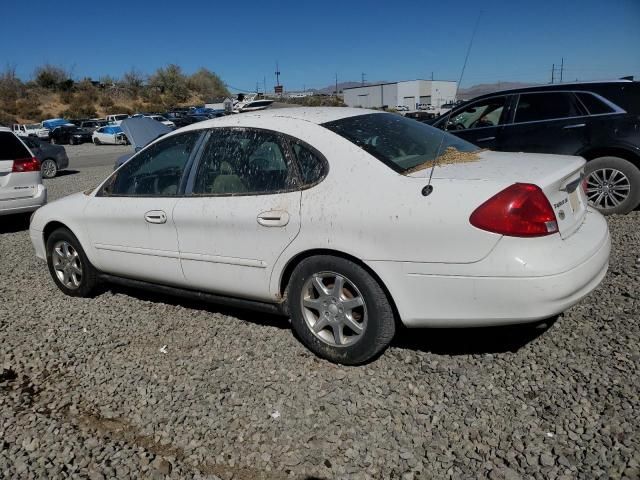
(116, 119)
(109, 135)
(21, 188)
(162, 120)
(402, 108)
(31, 130)
(329, 215)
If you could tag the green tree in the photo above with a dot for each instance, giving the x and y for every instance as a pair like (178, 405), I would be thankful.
(207, 85)
(52, 77)
(171, 82)
(133, 82)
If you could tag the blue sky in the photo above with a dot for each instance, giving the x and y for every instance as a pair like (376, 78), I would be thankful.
(517, 40)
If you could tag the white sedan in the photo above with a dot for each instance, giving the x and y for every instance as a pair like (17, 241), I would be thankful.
(109, 134)
(339, 218)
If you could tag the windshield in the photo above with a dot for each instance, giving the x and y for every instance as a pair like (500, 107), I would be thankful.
(120, 117)
(399, 142)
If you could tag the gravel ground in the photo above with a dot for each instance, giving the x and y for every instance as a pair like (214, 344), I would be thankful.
(85, 390)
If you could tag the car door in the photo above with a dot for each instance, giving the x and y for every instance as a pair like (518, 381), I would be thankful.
(130, 220)
(241, 210)
(480, 122)
(546, 122)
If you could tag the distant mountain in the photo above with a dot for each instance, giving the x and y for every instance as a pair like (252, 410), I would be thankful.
(484, 88)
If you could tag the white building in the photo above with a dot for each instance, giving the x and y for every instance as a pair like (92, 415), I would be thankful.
(409, 93)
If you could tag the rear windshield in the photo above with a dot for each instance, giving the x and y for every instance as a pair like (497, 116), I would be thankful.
(400, 143)
(11, 148)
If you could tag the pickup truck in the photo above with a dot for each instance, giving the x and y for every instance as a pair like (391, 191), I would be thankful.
(30, 130)
(116, 119)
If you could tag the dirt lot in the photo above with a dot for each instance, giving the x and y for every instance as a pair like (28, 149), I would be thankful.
(86, 390)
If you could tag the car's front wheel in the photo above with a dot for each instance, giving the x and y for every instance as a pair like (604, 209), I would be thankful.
(613, 185)
(339, 311)
(68, 264)
(96, 141)
(49, 168)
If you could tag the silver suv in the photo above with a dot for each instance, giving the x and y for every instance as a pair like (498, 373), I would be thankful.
(21, 188)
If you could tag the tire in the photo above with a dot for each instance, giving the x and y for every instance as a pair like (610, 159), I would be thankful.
(613, 185)
(328, 314)
(96, 141)
(72, 141)
(53, 141)
(64, 257)
(49, 168)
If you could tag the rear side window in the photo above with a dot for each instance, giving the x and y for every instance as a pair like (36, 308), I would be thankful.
(546, 106)
(312, 167)
(593, 104)
(11, 148)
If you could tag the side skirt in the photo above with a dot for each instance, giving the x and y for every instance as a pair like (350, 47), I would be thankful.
(273, 308)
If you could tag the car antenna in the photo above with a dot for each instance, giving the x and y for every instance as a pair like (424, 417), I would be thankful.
(428, 188)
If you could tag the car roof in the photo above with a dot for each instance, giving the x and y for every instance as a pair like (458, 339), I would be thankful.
(553, 87)
(316, 115)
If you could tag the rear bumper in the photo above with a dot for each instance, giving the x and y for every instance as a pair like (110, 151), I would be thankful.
(557, 279)
(24, 205)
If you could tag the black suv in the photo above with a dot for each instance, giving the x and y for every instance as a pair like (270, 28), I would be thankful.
(599, 121)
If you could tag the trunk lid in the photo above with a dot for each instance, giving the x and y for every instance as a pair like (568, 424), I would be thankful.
(559, 177)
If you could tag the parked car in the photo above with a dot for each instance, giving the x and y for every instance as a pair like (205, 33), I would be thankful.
(162, 120)
(402, 108)
(30, 130)
(179, 119)
(426, 107)
(52, 123)
(110, 134)
(599, 121)
(117, 118)
(420, 115)
(21, 188)
(93, 125)
(69, 134)
(503, 238)
(52, 158)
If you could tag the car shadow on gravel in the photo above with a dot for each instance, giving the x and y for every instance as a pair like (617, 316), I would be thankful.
(259, 318)
(64, 173)
(468, 341)
(14, 223)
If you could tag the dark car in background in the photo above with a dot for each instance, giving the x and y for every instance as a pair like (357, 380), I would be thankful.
(93, 125)
(599, 121)
(53, 158)
(70, 134)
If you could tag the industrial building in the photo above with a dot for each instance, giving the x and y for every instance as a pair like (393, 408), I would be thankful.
(409, 93)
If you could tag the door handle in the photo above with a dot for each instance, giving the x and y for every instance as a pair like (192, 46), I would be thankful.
(576, 125)
(155, 216)
(273, 218)
(485, 139)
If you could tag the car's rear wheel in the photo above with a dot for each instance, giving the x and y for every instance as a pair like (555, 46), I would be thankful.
(69, 266)
(72, 141)
(49, 168)
(339, 311)
(96, 141)
(613, 185)
(53, 141)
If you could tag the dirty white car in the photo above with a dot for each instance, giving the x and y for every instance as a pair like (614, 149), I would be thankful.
(328, 215)
(21, 188)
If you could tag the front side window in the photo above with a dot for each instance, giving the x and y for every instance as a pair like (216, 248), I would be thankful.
(398, 142)
(242, 162)
(533, 107)
(485, 113)
(156, 171)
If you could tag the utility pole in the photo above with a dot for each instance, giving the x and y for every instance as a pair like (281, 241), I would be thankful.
(553, 70)
(264, 79)
(277, 75)
(336, 84)
(561, 69)
(363, 75)
(257, 88)
(432, 76)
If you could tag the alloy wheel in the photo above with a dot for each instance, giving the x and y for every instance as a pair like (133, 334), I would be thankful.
(49, 169)
(67, 264)
(334, 309)
(607, 188)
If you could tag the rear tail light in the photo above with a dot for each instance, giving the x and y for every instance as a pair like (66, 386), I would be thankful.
(521, 210)
(26, 165)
